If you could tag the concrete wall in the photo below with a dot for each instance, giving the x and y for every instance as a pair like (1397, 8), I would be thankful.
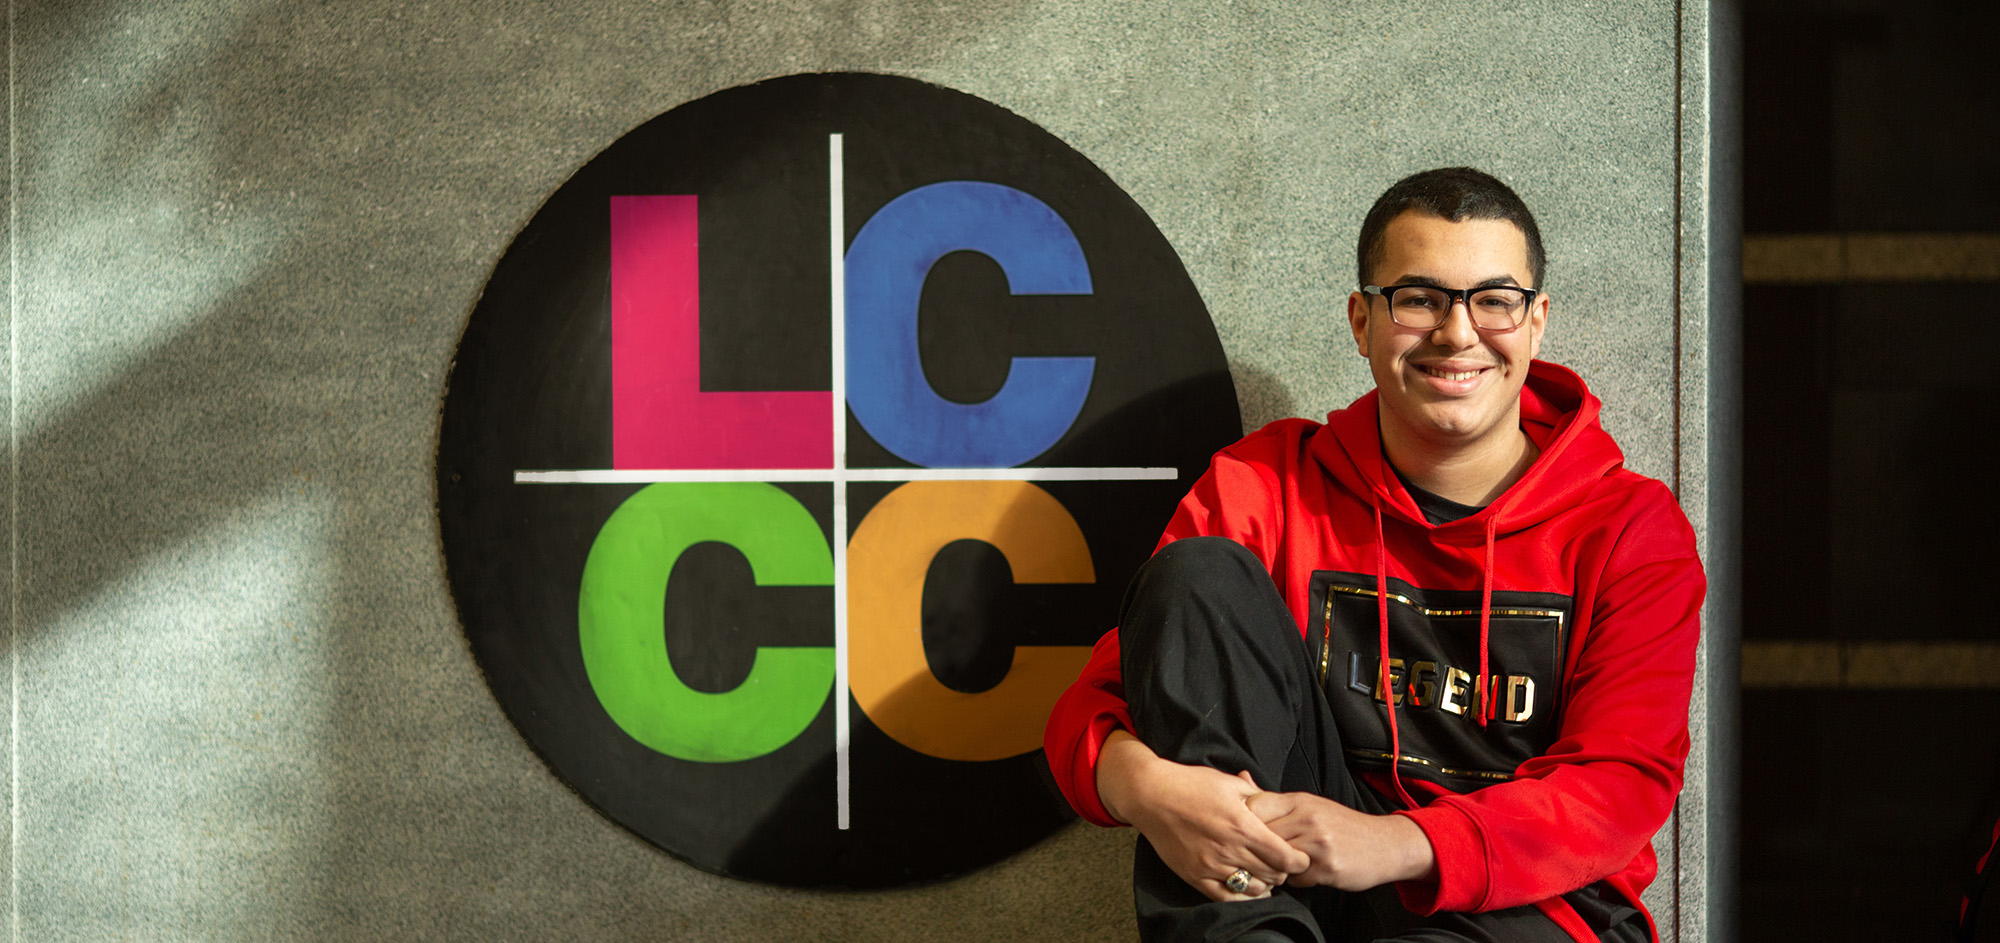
(243, 239)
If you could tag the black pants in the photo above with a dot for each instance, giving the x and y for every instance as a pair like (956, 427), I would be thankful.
(1216, 675)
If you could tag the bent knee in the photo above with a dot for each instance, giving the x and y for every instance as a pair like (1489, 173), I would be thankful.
(1210, 585)
(1195, 560)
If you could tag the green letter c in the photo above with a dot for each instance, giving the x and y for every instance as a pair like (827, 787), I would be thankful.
(621, 620)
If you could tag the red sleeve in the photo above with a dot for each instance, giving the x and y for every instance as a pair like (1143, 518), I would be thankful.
(1081, 721)
(1238, 497)
(1588, 808)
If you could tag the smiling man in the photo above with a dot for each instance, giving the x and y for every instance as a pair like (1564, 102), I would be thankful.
(1420, 672)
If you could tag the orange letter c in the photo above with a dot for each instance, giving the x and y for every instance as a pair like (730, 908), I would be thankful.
(888, 558)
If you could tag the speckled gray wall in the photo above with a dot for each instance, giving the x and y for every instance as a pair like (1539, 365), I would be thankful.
(243, 240)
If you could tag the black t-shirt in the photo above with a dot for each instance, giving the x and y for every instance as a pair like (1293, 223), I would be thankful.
(1598, 904)
(1437, 508)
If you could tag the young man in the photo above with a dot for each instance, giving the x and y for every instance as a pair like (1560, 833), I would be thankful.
(1421, 672)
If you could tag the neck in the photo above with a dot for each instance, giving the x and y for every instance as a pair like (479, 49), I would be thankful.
(1473, 474)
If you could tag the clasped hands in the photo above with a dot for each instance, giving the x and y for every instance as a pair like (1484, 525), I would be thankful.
(1206, 824)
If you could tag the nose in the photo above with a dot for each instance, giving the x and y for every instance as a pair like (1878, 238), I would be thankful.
(1456, 331)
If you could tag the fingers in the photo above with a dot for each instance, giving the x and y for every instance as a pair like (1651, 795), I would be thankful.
(1271, 806)
(1310, 817)
(1199, 821)
(1264, 859)
(1274, 855)
(1253, 886)
(1241, 786)
(1292, 825)
(1270, 854)
(1272, 849)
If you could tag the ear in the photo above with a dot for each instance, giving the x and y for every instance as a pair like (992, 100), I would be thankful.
(1538, 321)
(1357, 319)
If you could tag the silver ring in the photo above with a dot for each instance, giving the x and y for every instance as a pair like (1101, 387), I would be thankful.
(1238, 881)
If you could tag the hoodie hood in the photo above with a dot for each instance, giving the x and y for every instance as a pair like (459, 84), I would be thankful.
(1557, 411)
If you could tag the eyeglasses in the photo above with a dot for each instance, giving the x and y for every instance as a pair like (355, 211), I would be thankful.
(1498, 308)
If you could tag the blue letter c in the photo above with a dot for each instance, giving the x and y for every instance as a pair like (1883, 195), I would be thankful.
(886, 267)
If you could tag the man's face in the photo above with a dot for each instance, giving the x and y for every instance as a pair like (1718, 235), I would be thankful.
(1453, 387)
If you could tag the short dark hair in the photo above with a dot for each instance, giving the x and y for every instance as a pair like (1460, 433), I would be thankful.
(1452, 193)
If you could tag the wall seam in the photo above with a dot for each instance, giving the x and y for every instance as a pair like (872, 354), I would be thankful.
(1680, 364)
(13, 500)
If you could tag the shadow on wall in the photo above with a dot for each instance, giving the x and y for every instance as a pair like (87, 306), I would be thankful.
(394, 150)
(1262, 396)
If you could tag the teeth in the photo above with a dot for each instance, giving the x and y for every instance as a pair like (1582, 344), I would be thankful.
(1467, 375)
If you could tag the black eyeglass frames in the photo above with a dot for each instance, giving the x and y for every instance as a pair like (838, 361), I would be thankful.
(1493, 308)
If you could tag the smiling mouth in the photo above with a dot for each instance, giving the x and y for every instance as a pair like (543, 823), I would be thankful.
(1450, 374)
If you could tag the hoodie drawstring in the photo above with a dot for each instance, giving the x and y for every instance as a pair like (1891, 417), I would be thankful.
(1485, 624)
(1483, 693)
(1382, 642)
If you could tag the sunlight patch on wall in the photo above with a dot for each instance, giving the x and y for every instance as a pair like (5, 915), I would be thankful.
(175, 723)
(134, 222)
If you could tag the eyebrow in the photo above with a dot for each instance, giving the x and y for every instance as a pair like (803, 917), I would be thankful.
(1429, 282)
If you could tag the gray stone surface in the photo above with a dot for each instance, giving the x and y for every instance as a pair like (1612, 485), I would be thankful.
(1709, 448)
(244, 238)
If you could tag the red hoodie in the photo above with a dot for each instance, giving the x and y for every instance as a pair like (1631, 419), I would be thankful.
(1577, 592)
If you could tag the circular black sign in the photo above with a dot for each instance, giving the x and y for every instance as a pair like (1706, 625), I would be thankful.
(651, 439)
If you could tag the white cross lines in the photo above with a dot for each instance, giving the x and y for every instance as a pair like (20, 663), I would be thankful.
(839, 474)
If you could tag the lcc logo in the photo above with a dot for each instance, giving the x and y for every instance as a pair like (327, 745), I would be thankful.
(796, 453)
